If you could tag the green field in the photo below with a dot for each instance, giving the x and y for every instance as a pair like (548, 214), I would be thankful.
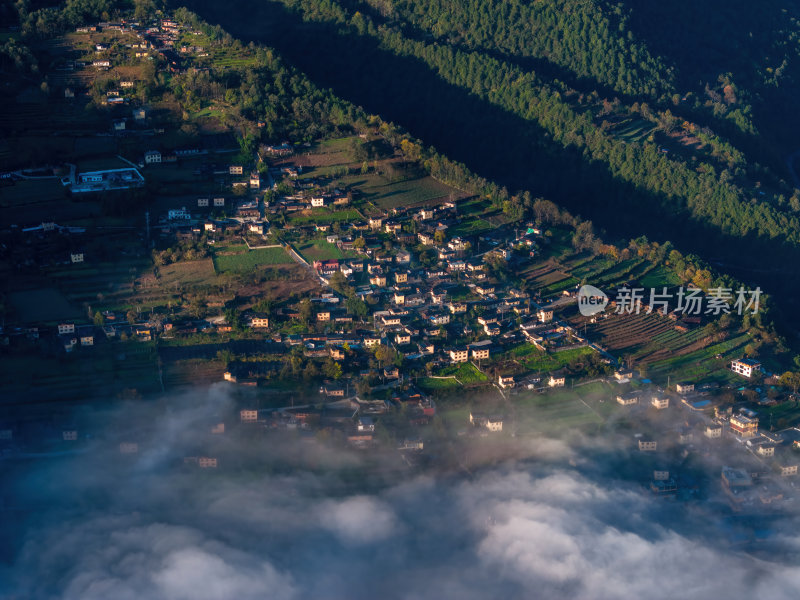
(431, 384)
(559, 409)
(702, 365)
(535, 359)
(466, 373)
(195, 272)
(242, 262)
(409, 192)
(633, 129)
(659, 277)
(470, 227)
(323, 216)
(319, 250)
(387, 193)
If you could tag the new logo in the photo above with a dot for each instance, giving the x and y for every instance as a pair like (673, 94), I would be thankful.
(591, 300)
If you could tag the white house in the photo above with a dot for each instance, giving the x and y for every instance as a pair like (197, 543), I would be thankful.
(545, 315)
(505, 381)
(152, 157)
(459, 355)
(628, 399)
(660, 403)
(745, 366)
(490, 422)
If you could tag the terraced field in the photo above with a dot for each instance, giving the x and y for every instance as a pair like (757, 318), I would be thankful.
(549, 280)
(628, 333)
(89, 373)
(702, 364)
(83, 282)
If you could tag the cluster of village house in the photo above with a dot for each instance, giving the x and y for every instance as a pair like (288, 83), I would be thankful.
(412, 308)
(758, 460)
(158, 39)
(412, 311)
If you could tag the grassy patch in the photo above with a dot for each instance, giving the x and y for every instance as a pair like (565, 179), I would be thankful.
(659, 277)
(319, 250)
(535, 359)
(554, 411)
(432, 384)
(470, 227)
(323, 216)
(247, 261)
(466, 373)
(195, 272)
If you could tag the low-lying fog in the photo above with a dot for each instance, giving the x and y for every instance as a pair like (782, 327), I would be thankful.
(285, 516)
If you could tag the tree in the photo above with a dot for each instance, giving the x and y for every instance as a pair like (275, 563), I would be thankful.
(197, 308)
(144, 10)
(384, 354)
(356, 307)
(234, 318)
(791, 380)
(264, 306)
(331, 369)
(439, 237)
(339, 282)
(311, 371)
(306, 310)
(225, 356)
(99, 320)
(584, 238)
(131, 315)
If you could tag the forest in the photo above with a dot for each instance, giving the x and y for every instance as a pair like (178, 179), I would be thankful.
(539, 125)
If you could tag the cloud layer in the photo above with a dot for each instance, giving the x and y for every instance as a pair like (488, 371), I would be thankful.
(98, 526)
